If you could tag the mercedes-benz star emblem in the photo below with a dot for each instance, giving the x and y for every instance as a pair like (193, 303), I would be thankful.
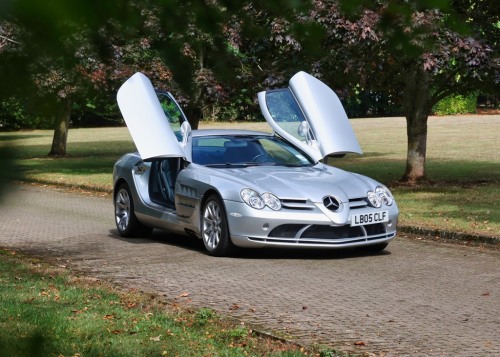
(331, 203)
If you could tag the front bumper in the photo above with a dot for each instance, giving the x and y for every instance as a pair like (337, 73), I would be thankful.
(309, 228)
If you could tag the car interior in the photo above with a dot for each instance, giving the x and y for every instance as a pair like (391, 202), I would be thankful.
(162, 181)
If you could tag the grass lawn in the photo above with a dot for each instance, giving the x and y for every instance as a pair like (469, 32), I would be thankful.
(46, 311)
(463, 166)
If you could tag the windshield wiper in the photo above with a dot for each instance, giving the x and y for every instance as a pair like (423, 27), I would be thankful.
(241, 164)
(232, 165)
(296, 165)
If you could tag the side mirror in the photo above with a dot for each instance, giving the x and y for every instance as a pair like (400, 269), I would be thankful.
(185, 132)
(303, 129)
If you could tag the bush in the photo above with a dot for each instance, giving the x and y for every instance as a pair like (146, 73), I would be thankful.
(363, 104)
(456, 104)
(14, 115)
(96, 113)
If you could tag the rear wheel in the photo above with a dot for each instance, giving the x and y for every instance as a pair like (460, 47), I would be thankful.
(214, 228)
(126, 222)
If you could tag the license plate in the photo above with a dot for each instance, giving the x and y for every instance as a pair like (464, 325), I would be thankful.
(369, 218)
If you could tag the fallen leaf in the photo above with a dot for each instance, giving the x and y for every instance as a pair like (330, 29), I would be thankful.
(360, 343)
(116, 332)
(234, 307)
(155, 339)
(304, 307)
(486, 293)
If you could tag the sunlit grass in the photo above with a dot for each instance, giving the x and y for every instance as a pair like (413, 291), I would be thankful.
(473, 209)
(462, 151)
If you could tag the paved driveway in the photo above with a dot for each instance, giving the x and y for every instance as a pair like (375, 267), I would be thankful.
(417, 298)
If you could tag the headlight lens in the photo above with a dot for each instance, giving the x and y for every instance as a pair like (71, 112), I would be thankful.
(271, 201)
(374, 199)
(253, 199)
(380, 196)
(385, 195)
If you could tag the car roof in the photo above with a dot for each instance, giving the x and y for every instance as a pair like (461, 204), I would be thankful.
(219, 132)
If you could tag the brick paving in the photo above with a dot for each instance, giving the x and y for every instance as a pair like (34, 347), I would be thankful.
(416, 299)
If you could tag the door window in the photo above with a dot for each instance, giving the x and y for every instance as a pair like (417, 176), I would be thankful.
(173, 113)
(285, 111)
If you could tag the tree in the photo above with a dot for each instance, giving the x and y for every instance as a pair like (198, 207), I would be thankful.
(414, 52)
(61, 55)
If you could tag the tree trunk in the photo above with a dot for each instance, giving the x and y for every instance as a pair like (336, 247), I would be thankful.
(417, 109)
(416, 129)
(194, 110)
(62, 118)
(194, 115)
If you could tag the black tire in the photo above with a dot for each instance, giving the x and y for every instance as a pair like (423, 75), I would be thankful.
(214, 228)
(127, 223)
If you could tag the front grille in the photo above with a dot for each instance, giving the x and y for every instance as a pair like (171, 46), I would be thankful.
(286, 230)
(356, 203)
(296, 204)
(321, 234)
(327, 232)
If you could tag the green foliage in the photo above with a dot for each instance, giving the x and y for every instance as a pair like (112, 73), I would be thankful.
(14, 115)
(456, 104)
(362, 104)
(241, 107)
(238, 333)
(203, 316)
(96, 112)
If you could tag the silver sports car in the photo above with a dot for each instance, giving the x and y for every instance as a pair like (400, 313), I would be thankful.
(246, 188)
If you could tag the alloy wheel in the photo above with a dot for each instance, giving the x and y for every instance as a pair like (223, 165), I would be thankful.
(122, 209)
(212, 225)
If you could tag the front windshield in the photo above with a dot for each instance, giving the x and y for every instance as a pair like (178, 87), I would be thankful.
(254, 150)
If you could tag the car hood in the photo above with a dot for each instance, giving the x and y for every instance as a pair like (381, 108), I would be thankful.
(312, 183)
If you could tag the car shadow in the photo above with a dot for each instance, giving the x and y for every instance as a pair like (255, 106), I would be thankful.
(196, 245)
(158, 236)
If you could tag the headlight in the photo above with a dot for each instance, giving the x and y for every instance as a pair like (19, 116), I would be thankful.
(374, 199)
(380, 196)
(271, 201)
(253, 199)
(385, 195)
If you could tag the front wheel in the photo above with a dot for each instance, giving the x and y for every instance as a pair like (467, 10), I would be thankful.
(126, 222)
(214, 228)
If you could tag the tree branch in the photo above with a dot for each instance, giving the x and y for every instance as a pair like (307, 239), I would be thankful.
(10, 40)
